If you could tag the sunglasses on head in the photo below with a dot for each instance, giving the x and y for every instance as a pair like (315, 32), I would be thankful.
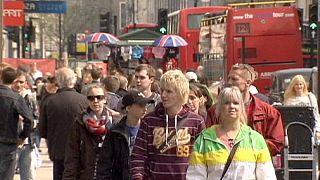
(98, 97)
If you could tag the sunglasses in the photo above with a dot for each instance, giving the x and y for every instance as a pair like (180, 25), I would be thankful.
(98, 97)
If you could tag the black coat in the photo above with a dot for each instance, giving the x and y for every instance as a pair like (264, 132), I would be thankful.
(81, 151)
(59, 112)
(113, 163)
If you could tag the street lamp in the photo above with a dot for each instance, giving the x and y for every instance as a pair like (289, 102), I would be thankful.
(1, 29)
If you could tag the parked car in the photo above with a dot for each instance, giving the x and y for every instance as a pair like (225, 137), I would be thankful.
(281, 80)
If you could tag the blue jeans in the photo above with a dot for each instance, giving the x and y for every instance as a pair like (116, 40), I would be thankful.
(7, 160)
(26, 162)
(37, 137)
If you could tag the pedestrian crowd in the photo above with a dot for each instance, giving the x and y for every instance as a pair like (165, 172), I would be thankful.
(147, 125)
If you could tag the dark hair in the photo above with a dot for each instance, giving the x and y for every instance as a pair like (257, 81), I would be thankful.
(96, 73)
(8, 75)
(111, 83)
(39, 79)
(52, 80)
(21, 73)
(194, 88)
(24, 68)
(206, 93)
(155, 86)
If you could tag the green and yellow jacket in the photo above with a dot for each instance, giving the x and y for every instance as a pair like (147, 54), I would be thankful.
(252, 159)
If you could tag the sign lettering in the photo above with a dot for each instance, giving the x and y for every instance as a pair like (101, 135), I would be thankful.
(56, 7)
(13, 14)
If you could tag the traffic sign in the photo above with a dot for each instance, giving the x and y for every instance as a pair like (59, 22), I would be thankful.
(56, 7)
(163, 30)
(313, 25)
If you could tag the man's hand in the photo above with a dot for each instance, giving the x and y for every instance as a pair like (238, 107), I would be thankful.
(20, 143)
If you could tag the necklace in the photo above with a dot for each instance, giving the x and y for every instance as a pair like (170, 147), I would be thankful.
(230, 140)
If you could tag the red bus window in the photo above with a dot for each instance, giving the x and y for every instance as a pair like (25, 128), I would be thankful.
(249, 52)
(194, 21)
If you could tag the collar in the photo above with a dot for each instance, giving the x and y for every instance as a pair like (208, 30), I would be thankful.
(7, 87)
(66, 89)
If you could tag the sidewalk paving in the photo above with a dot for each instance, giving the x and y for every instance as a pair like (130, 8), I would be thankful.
(45, 171)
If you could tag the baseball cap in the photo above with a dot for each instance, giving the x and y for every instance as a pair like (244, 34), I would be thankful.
(192, 76)
(135, 97)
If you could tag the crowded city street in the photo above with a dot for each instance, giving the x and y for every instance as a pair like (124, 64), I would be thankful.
(159, 90)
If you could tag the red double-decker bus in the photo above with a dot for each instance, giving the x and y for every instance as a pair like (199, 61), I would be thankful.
(131, 27)
(267, 38)
(186, 23)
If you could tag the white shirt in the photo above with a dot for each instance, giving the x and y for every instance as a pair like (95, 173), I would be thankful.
(308, 100)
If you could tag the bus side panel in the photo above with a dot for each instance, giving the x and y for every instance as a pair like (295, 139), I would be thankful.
(271, 43)
(267, 57)
(187, 58)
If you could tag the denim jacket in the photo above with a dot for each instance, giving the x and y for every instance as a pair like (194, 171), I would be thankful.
(11, 106)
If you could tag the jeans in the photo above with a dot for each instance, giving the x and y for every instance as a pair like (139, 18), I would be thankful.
(37, 137)
(58, 168)
(26, 162)
(7, 160)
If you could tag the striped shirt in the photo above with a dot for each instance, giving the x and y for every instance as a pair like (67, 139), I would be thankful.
(163, 145)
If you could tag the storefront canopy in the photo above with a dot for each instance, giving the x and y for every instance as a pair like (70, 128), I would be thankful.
(142, 37)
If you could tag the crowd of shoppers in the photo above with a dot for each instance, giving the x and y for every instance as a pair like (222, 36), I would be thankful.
(147, 125)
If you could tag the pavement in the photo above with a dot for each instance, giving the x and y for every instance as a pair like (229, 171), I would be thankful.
(45, 171)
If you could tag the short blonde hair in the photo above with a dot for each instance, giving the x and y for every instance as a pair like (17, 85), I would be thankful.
(248, 71)
(227, 95)
(178, 81)
(290, 92)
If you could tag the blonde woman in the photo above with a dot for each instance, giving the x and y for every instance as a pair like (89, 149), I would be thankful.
(251, 160)
(297, 94)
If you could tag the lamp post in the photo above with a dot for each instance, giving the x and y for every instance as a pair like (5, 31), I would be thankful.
(1, 29)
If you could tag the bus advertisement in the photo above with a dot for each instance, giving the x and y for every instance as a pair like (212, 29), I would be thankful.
(268, 39)
(186, 23)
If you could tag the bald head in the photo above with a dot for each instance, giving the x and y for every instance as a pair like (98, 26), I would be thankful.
(66, 77)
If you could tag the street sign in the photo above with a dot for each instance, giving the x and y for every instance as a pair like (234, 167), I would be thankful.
(56, 7)
(13, 14)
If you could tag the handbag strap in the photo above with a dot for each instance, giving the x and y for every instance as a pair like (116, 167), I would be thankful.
(229, 160)
(310, 100)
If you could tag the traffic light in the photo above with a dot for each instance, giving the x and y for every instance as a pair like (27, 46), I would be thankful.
(105, 22)
(29, 32)
(13, 33)
(72, 44)
(163, 20)
(313, 16)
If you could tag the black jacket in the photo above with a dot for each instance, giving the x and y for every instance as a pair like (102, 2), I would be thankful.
(11, 106)
(113, 163)
(59, 112)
